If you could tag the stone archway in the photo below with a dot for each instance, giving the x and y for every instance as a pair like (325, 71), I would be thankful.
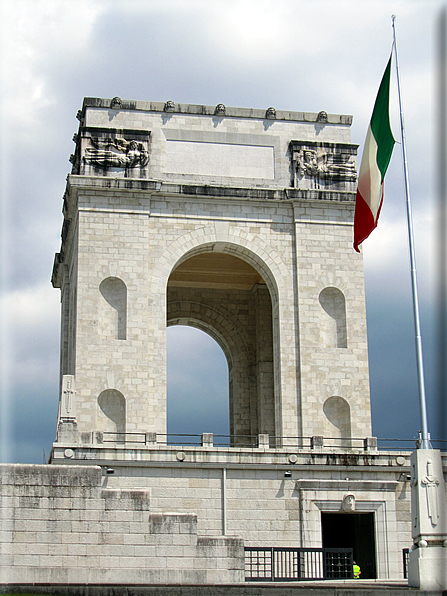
(227, 298)
(222, 238)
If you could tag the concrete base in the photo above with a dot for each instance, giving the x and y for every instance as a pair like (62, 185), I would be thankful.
(304, 589)
(427, 568)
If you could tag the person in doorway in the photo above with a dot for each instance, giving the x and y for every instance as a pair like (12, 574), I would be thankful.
(356, 570)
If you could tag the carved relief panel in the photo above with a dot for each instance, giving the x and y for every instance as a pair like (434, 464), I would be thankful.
(317, 165)
(428, 504)
(111, 152)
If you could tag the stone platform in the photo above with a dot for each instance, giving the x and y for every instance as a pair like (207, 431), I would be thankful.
(346, 588)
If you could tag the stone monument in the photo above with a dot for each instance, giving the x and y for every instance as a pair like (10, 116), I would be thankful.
(238, 222)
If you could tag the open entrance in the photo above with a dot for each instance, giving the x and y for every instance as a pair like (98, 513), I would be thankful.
(197, 386)
(226, 297)
(352, 530)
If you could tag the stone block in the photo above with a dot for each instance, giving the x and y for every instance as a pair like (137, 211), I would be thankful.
(370, 444)
(263, 440)
(172, 523)
(144, 551)
(207, 440)
(427, 568)
(317, 441)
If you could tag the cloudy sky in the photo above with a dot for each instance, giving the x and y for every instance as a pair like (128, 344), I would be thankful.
(291, 54)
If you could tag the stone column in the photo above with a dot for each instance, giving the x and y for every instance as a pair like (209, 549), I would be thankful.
(264, 360)
(427, 568)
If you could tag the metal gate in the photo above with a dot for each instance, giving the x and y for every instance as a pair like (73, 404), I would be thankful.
(284, 564)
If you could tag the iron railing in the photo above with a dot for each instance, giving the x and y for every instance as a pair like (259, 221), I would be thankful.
(266, 441)
(405, 559)
(284, 564)
(408, 444)
(338, 563)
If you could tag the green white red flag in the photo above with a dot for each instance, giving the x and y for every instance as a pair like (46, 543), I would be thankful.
(377, 152)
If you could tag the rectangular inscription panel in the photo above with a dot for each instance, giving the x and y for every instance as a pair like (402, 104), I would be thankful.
(220, 159)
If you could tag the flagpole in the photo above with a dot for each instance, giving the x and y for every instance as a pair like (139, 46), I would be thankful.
(425, 437)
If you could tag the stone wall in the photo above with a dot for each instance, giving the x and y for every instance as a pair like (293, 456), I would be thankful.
(186, 516)
(63, 524)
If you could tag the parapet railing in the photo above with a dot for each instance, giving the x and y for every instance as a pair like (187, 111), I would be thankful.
(236, 441)
(408, 444)
(315, 443)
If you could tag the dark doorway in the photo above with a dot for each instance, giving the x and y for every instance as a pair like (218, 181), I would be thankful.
(352, 530)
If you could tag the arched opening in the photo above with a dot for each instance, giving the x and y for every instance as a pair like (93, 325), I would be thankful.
(198, 387)
(333, 318)
(112, 413)
(227, 298)
(337, 420)
(113, 311)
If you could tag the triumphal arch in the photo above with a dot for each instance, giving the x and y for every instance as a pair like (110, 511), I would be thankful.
(239, 222)
(235, 221)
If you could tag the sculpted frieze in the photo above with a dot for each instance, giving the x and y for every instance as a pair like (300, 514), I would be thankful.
(323, 165)
(117, 153)
(111, 152)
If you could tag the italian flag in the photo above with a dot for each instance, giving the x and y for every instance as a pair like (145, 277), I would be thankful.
(377, 152)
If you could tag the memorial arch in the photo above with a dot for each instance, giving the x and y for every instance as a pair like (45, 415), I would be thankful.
(237, 222)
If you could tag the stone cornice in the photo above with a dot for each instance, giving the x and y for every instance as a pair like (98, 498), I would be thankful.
(202, 110)
(352, 483)
(75, 183)
(151, 188)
